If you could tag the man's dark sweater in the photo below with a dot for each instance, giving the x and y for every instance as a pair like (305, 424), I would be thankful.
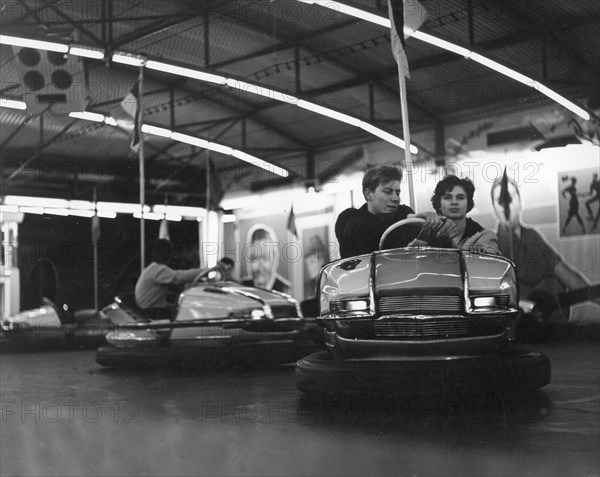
(358, 231)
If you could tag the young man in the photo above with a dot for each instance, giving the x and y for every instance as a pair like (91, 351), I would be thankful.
(453, 199)
(227, 265)
(153, 285)
(359, 230)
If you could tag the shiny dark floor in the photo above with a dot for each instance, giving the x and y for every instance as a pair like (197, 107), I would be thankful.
(62, 414)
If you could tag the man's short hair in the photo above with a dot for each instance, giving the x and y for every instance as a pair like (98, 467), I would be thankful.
(446, 185)
(380, 175)
(162, 251)
(227, 261)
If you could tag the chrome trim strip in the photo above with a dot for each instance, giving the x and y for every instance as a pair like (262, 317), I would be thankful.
(200, 323)
(236, 291)
(373, 265)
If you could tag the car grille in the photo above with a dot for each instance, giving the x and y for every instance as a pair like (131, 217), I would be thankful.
(420, 304)
(422, 329)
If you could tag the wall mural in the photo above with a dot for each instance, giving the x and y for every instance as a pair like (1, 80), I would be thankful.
(546, 278)
(262, 252)
(578, 202)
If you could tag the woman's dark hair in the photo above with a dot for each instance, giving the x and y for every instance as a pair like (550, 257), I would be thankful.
(446, 185)
(162, 251)
(380, 175)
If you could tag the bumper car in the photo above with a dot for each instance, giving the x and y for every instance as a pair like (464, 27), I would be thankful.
(52, 326)
(216, 322)
(419, 320)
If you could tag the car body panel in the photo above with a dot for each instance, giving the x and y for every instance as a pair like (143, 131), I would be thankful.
(211, 315)
(417, 301)
(49, 325)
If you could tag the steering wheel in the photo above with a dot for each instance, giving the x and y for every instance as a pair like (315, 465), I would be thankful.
(204, 276)
(416, 225)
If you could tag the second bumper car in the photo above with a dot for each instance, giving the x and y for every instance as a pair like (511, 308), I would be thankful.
(222, 320)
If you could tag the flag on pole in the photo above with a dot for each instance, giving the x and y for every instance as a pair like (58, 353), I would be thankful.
(131, 105)
(291, 223)
(163, 231)
(406, 16)
(95, 229)
(214, 187)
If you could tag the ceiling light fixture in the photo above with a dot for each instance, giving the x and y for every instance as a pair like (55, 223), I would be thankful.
(53, 211)
(81, 213)
(138, 61)
(30, 43)
(12, 104)
(88, 116)
(187, 72)
(187, 139)
(128, 59)
(322, 110)
(26, 201)
(452, 47)
(120, 207)
(90, 53)
(107, 214)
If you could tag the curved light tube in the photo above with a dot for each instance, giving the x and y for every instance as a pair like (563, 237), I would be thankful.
(131, 59)
(187, 139)
(459, 50)
(12, 104)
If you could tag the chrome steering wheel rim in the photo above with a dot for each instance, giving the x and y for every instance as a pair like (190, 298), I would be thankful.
(400, 223)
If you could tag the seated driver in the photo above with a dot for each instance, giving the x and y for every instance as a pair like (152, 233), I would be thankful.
(152, 287)
(453, 199)
(359, 230)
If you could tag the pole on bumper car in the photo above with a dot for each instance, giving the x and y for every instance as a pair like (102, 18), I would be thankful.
(95, 238)
(138, 127)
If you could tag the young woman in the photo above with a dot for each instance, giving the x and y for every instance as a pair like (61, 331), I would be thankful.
(453, 199)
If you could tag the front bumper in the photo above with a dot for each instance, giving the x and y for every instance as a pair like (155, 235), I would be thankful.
(347, 348)
(512, 369)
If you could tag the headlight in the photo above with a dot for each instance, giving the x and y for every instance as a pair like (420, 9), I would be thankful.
(504, 297)
(493, 301)
(349, 305)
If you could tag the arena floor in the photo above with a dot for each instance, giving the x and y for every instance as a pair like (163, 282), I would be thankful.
(63, 414)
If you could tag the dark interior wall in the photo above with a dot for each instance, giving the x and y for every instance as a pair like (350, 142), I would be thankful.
(56, 257)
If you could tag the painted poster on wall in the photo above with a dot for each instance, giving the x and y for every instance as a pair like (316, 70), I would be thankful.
(547, 278)
(264, 253)
(579, 202)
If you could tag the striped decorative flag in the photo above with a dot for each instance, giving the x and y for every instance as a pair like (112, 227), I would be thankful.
(406, 16)
(291, 223)
(95, 229)
(131, 105)
(163, 230)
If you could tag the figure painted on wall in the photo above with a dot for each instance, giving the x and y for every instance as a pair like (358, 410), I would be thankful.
(316, 255)
(573, 211)
(547, 282)
(588, 132)
(595, 197)
(262, 256)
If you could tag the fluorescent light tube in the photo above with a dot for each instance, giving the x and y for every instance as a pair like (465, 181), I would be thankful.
(12, 104)
(157, 131)
(194, 141)
(188, 72)
(35, 201)
(88, 116)
(37, 44)
(127, 59)
(87, 53)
